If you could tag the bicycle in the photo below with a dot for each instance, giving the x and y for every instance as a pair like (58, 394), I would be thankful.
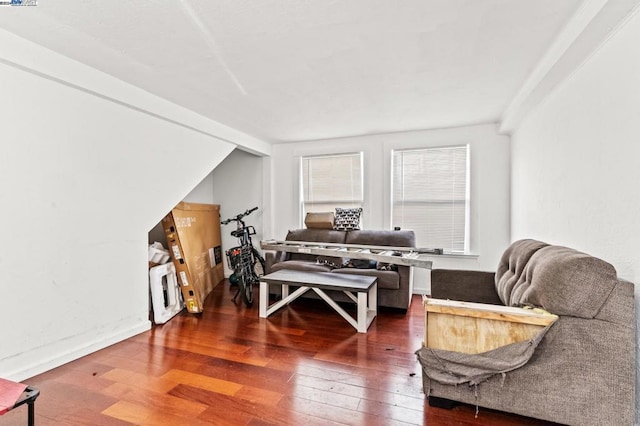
(245, 260)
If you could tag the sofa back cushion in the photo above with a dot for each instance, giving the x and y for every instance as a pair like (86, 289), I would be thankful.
(402, 238)
(561, 280)
(510, 272)
(565, 281)
(314, 235)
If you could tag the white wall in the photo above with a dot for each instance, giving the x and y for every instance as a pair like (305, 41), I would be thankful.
(575, 164)
(489, 186)
(238, 186)
(202, 193)
(86, 172)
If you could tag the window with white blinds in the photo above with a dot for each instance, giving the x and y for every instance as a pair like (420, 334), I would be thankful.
(430, 194)
(331, 181)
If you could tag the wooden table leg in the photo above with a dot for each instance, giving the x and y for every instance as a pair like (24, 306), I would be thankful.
(362, 312)
(264, 299)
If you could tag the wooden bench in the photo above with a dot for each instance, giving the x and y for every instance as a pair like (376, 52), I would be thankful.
(366, 288)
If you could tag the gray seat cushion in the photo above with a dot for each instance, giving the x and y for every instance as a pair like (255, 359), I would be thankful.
(386, 279)
(300, 265)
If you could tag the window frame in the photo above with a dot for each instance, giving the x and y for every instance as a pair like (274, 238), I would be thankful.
(425, 201)
(355, 203)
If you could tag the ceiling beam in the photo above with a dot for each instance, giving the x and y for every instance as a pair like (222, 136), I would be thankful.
(589, 28)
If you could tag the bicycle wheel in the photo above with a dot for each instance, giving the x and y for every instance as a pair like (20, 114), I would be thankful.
(258, 263)
(246, 288)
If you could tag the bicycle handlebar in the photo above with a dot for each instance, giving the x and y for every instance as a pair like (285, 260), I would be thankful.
(239, 217)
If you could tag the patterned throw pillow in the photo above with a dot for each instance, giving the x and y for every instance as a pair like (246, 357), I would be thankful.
(347, 219)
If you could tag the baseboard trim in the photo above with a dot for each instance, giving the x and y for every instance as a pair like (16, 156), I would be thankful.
(47, 362)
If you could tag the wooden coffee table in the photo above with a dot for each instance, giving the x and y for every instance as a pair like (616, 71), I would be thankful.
(365, 286)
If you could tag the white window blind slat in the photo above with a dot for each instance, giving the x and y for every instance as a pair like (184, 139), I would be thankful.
(331, 181)
(430, 195)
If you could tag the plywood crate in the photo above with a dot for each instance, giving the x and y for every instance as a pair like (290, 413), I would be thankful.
(476, 327)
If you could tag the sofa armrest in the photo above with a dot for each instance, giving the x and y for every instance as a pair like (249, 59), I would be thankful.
(466, 286)
(273, 257)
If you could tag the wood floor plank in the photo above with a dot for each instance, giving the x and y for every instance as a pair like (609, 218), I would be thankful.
(311, 366)
(223, 409)
(141, 381)
(86, 417)
(303, 366)
(367, 358)
(275, 347)
(338, 387)
(279, 417)
(333, 413)
(200, 342)
(91, 379)
(244, 374)
(161, 401)
(139, 414)
(327, 397)
(142, 366)
(390, 411)
(256, 395)
(404, 384)
(241, 356)
(212, 384)
(273, 329)
(163, 356)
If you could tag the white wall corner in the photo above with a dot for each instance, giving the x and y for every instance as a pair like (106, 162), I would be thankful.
(592, 24)
(117, 160)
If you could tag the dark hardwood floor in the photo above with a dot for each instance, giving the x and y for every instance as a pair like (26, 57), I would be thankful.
(303, 365)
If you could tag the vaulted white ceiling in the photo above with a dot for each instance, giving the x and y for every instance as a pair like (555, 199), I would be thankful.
(289, 70)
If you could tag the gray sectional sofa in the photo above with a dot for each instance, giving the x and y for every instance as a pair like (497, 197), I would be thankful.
(583, 371)
(394, 285)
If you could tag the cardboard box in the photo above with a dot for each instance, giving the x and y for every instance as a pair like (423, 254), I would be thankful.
(319, 220)
(193, 237)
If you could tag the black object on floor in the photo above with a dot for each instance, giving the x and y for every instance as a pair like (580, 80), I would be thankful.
(29, 397)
